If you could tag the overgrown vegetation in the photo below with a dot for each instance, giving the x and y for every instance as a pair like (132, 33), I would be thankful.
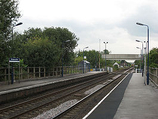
(153, 59)
(45, 47)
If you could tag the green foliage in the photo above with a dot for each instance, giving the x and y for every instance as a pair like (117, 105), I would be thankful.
(153, 58)
(21, 64)
(60, 36)
(93, 57)
(43, 48)
(77, 60)
(5, 52)
(115, 67)
(9, 15)
(40, 52)
(137, 62)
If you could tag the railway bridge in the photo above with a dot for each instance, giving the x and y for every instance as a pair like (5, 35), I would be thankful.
(122, 56)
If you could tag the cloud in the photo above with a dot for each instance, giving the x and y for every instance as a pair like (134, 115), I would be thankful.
(146, 15)
(111, 21)
(119, 39)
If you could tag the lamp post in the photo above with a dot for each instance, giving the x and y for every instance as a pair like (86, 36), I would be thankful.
(62, 72)
(83, 57)
(105, 54)
(145, 64)
(12, 81)
(147, 51)
(142, 56)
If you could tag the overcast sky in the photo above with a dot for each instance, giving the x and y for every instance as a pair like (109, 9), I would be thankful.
(112, 21)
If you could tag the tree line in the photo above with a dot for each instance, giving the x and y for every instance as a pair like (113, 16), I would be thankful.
(153, 59)
(45, 48)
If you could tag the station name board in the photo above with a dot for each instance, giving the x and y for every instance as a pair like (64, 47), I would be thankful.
(14, 60)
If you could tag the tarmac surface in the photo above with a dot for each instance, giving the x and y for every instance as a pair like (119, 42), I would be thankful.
(132, 99)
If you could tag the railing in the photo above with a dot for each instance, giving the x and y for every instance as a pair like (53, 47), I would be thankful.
(153, 73)
(37, 72)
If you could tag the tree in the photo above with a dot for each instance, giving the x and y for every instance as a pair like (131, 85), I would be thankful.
(40, 52)
(60, 36)
(153, 57)
(45, 47)
(93, 57)
(32, 33)
(9, 15)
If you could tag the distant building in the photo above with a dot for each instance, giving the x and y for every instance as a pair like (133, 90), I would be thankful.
(116, 64)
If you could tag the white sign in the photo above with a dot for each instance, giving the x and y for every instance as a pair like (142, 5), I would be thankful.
(14, 60)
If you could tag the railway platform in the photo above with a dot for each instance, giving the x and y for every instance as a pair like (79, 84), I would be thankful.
(33, 86)
(132, 99)
(35, 82)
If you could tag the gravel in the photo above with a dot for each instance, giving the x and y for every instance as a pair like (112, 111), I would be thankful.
(62, 107)
(90, 91)
(55, 111)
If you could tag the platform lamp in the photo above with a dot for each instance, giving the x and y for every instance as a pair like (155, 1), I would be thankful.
(62, 72)
(105, 53)
(83, 57)
(147, 51)
(12, 81)
(145, 63)
(142, 56)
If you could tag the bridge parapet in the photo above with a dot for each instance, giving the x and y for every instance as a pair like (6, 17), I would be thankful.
(121, 56)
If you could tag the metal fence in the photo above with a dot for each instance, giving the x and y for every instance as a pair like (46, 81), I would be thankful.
(153, 73)
(37, 72)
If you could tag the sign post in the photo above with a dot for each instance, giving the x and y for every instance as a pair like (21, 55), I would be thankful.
(14, 60)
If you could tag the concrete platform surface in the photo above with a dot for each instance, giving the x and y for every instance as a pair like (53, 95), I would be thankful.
(140, 101)
(33, 86)
(43, 81)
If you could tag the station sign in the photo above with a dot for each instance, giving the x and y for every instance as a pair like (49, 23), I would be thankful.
(14, 60)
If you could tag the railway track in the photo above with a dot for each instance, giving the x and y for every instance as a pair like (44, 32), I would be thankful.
(82, 107)
(38, 105)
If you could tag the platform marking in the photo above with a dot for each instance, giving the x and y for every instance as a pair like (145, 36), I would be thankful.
(105, 97)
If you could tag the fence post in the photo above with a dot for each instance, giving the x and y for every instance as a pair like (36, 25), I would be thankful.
(156, 75)
(34, 72)
(21, 74)
(14, 73)
(39, 72)
(65, 69)
(5, 73)
(28, 72)
(53, 71)
(61, 70)
(9, 73)
(71, 69)
(44, 71)
(49, 71)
